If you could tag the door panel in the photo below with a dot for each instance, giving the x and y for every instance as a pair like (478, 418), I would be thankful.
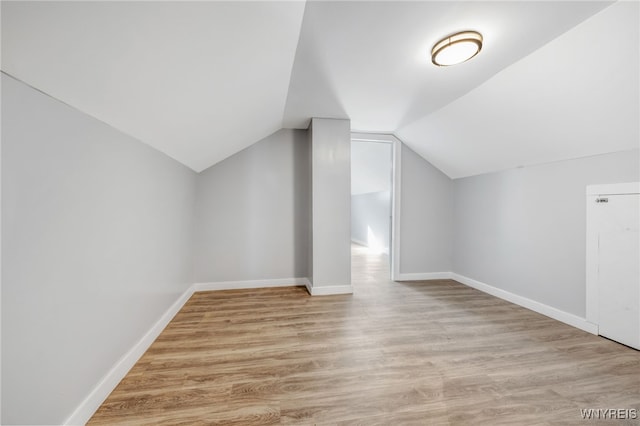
(619, 268)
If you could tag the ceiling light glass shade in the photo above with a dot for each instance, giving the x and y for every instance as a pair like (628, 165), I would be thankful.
(456, 48)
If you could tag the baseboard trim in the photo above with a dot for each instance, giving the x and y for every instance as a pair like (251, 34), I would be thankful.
(238, 285)
(108, 383)
(541, 308)
(424, 276)
(309, 285)
(329, 290)
(101, 391)
(282, 282)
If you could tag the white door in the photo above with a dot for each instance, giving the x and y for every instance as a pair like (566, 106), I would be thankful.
(619, 267)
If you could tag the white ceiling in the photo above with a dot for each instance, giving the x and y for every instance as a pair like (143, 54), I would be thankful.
(202, 80)
(370, 61)
(577, 96)
(199, 81)
(370, 167)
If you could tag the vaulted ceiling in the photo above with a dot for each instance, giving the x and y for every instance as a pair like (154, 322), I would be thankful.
(201, 81)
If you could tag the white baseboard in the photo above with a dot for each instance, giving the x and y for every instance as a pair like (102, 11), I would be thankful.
(282, 282)
(329, 290)
(237, 285)
(541, 308)
(101, 391)
(424, 276)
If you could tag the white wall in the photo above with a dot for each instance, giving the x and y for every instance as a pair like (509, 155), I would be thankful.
(252, 212)
(371, 220)
(331, 203)
(426, 219)
(371, 166)
(524, 230)
(96, 245)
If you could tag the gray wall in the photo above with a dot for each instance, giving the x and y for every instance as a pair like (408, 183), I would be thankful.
(371, 211)
(523, 230)
(96, 245)
(252, 212)
(331, 201)
(427, 216)
(309, 164)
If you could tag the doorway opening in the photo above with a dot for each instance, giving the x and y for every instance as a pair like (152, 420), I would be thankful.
(375, 180)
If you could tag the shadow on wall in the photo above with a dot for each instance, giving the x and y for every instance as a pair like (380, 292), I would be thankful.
(301, 206)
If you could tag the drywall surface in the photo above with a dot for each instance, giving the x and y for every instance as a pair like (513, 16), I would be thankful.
(96, 245)
(371, 220)
(524, 230)
(371, 166)
(252, 212)
(309, 162)
(331, 206)
(426, 216)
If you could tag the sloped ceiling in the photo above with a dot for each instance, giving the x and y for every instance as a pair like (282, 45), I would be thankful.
(198, 81)
(371, 62)
(202, 80)
(575, 97)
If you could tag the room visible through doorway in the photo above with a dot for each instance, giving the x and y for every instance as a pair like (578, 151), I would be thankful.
(371, 201)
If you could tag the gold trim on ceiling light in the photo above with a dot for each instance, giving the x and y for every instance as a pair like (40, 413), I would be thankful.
(467, 37)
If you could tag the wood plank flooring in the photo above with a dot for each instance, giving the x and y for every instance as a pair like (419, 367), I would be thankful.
(420, 353)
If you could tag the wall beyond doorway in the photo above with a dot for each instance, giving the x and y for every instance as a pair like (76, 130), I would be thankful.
(371, 168)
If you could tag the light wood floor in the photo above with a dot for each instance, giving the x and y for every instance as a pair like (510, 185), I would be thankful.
(433, 352)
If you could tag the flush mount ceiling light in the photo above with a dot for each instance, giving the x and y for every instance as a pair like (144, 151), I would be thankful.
(456, 48)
